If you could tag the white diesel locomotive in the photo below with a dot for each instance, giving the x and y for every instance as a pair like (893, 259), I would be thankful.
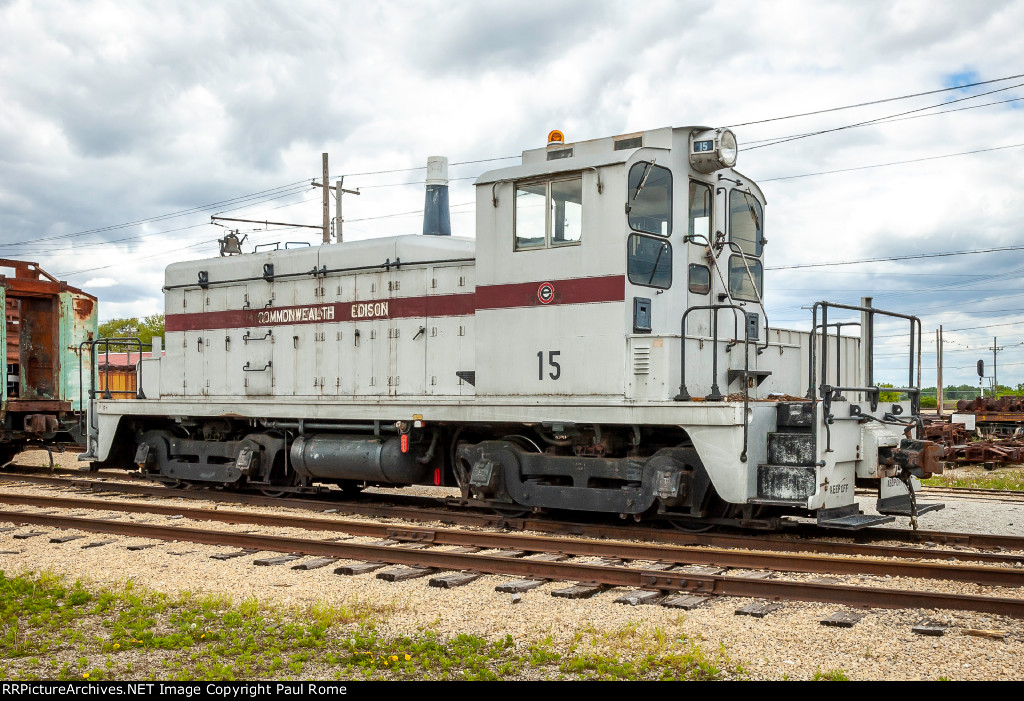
(601, 345)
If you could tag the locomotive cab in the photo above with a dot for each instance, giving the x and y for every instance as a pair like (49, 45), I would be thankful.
(606, 244)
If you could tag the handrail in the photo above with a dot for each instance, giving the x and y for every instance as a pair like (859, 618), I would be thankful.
(734, 247)
(716, 393)
(870, 389)
(131, 343)
(839, 352)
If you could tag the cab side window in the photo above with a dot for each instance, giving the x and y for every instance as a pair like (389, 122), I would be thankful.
(549, 213)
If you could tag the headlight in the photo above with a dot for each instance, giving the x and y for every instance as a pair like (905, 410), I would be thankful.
(727, 148)
(712, 149)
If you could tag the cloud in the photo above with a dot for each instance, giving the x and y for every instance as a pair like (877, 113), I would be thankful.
(120, 112)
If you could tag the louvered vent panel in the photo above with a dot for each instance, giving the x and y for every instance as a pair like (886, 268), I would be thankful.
(641, 360)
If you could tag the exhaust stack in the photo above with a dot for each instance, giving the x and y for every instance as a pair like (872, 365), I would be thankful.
(436, 217)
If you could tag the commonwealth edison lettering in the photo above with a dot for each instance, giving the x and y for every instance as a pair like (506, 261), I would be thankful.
(295, 315)
(370, 310)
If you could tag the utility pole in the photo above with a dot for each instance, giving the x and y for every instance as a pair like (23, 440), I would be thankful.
(327, 204)
(341, 191)
(938, 369)
(338, 191)
(995, 375)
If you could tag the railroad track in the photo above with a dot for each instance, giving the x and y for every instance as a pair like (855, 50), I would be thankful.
(654, 570)
(418, 509)
(1001, 495)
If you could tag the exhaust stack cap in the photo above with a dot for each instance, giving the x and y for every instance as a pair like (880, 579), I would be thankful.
(437, 170)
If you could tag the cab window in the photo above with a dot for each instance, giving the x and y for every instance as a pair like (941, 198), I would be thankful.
(741, 285)
(566, 211)
(549, 213)
(700, 210)
(649, 261)
(700, 279)
(746, 222)
(650, 198)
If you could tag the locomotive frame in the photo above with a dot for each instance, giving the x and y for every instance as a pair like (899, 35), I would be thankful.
(570, 357)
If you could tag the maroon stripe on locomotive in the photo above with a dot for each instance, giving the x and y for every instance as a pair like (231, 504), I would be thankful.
(592, 290)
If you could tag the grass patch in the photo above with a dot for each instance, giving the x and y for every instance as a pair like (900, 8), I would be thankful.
(1007, 479)
(833, 675)
(53, 629)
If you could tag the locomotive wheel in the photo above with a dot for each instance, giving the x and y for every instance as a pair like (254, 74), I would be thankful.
(279, 487)
(691, 526)
(512, 510)
(277, 493)
(717, 508)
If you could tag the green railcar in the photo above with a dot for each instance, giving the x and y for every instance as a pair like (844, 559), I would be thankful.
(46, 322)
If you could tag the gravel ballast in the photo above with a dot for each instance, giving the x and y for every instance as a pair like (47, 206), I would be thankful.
(788, 643)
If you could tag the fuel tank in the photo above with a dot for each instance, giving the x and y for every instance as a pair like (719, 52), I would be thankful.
(328, 456)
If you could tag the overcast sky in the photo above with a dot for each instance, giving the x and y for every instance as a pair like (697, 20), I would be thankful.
(119, 112)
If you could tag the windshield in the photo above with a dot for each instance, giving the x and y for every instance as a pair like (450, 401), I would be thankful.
(650, 198)
(700, 210)
(746, 222)
(649, 261)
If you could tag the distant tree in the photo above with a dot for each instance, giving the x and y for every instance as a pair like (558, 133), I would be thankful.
(144, 329)
(888, 396)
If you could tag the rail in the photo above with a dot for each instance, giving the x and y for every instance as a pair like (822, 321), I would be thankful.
(716, 393)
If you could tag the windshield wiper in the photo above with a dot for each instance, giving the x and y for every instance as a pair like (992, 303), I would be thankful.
(657, 260)
(643, 179)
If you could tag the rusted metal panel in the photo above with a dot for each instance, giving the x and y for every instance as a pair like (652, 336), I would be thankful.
(45, 320)
(78, 323)
(4, 388)
(39, 424)
(12, 314)
(39, 356)
(38, 405)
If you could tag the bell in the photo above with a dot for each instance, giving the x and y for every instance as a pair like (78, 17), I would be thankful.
(231, 245)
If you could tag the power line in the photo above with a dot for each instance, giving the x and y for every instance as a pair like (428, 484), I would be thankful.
(170, 215)
(881, 119)
(876, 102)
(886, 120)
(278, 192)
(404, 214)
(893, 163)
(889, 259)
(407, 170)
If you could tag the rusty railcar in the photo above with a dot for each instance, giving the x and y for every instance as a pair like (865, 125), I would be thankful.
(46, 320)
